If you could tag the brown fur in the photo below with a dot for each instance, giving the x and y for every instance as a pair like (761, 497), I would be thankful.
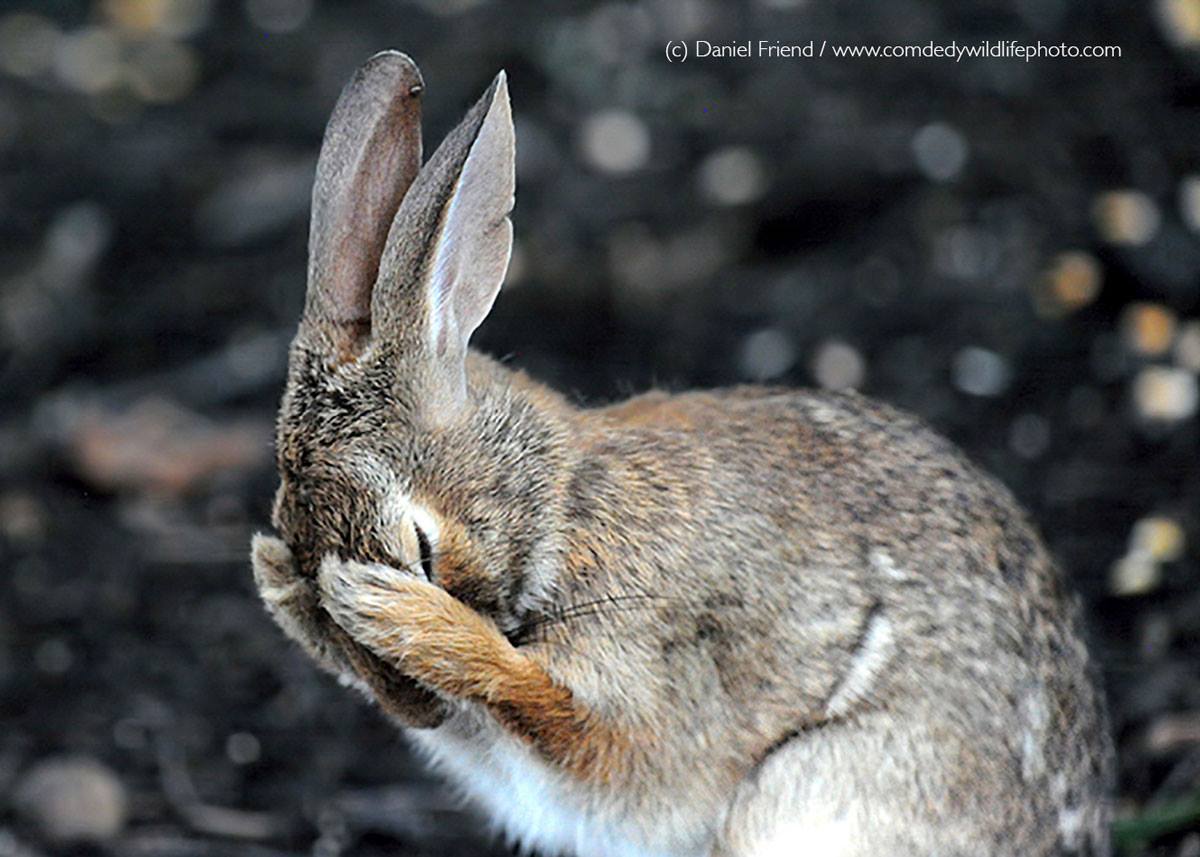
(434, 637)
(709, 616)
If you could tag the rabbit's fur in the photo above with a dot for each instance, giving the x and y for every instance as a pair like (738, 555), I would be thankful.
(743, 622)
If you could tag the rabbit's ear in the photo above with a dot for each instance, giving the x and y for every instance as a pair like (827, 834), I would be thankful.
(450, 244)
(370, 155)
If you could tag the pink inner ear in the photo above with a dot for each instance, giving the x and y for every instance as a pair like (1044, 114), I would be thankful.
(370, 155)
(449, 243)
(368, 204)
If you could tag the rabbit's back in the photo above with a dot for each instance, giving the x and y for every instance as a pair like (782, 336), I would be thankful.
(819, 562)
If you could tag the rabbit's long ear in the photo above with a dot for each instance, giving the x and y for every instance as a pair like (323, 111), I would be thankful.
(450, 245)
(370, 155)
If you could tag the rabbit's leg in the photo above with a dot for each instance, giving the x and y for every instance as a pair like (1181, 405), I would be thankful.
(869, 788)
(787, 810)
(445, 645)
(292, 602)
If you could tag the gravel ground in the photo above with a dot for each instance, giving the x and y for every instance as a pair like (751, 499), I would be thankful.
(1010, 249)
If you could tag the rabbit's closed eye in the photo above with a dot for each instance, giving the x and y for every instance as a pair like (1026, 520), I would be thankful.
(426, 551)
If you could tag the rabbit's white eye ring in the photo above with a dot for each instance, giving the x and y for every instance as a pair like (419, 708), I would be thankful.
(426, 552)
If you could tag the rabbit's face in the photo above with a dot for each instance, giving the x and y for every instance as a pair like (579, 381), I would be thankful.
(370, 471)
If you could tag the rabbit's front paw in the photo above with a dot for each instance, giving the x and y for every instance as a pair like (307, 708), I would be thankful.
(459, 654)
(418, 627)
(292, 601)
(275, 573)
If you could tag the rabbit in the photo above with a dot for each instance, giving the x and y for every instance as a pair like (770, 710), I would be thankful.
(753, 621)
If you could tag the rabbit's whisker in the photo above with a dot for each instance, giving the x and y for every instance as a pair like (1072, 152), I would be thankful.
(610, 605)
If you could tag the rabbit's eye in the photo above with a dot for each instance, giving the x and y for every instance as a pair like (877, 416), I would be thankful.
(426, 553)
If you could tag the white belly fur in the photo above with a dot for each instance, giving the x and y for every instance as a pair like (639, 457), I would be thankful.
(530, 804)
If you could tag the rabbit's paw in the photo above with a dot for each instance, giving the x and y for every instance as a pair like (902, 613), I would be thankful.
(416, 626)
(292, 601)
(275, 573)
(458, 653)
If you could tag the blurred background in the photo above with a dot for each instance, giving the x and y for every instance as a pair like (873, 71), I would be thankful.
(1009, 249)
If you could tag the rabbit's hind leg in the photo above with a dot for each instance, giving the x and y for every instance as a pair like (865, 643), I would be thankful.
(841, 791)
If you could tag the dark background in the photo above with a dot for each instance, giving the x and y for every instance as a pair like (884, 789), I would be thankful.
(1010, 249)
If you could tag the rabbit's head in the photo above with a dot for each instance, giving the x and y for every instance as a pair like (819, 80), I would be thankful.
(393, 446)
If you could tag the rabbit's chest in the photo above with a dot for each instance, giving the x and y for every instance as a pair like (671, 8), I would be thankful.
(539, 806)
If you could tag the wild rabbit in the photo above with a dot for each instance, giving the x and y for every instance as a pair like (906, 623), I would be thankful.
(741, 622)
